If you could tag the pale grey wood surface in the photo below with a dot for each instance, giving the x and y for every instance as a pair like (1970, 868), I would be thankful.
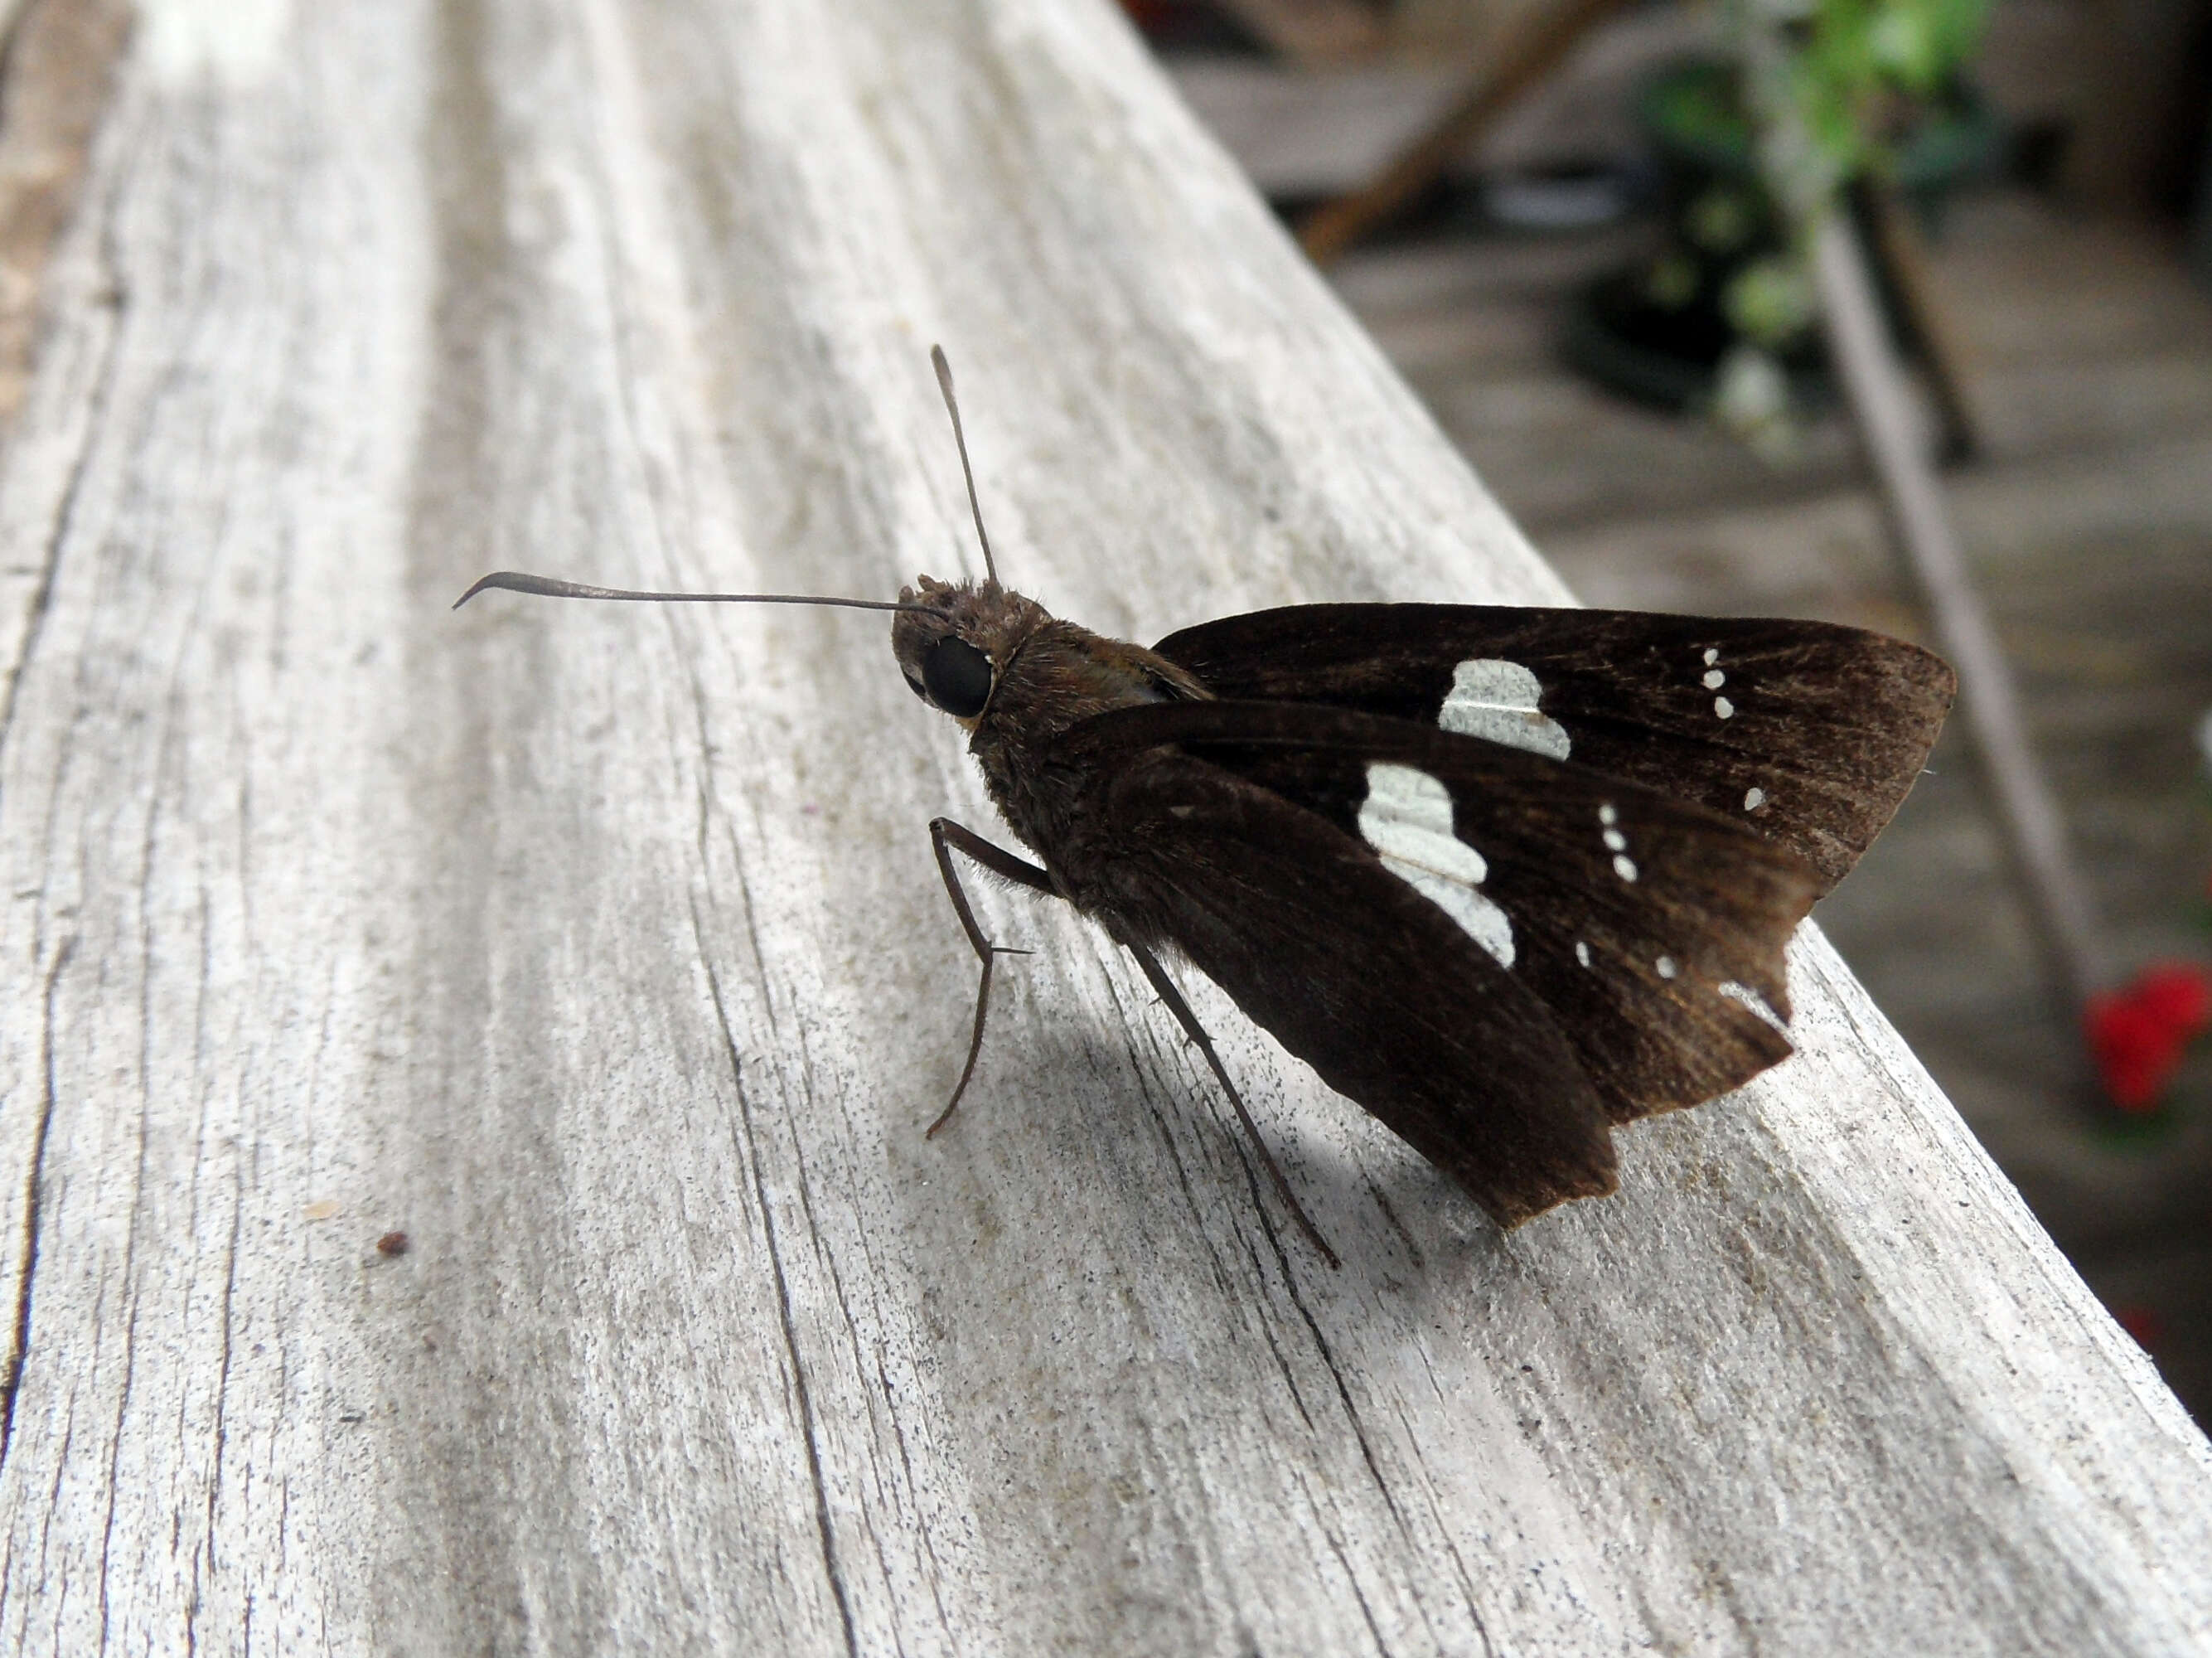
(601, 950)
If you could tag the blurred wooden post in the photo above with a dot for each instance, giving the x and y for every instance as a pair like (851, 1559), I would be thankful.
(1858, 341)
(600, 949)
(1536, 48)
(1901, 252)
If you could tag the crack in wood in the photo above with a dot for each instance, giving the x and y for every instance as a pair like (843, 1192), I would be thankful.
(34, 1199)
(810, 1428)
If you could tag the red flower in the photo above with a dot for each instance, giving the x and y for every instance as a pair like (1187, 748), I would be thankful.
(2139, 1035)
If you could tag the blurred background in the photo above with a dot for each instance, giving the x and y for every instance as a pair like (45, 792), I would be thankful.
(1559, 218)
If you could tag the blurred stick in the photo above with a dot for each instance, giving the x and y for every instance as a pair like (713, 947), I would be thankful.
(2035, 834)
(1312, 32)
(1904, 254)
(1534, 51)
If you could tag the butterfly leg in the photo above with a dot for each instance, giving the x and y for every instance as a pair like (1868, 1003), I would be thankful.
(946, 836)
(1196, 1031)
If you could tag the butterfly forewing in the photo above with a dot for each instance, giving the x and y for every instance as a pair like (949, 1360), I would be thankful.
(1644, 926)
(1808, 732)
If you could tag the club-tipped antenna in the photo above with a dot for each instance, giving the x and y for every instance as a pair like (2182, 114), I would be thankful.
(548, 587)
(960, 442)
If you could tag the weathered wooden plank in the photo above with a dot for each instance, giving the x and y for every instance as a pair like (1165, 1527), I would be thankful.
(601, 951)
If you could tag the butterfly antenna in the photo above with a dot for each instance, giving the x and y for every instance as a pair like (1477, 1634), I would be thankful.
(960, 440)
(547, 587)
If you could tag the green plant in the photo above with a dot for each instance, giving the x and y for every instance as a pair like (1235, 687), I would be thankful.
(1833, 90)
(1862, 68)
(1755, 149)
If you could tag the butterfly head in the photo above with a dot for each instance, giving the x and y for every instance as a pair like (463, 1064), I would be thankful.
(957, 639)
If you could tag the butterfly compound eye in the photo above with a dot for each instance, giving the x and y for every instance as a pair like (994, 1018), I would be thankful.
(957, 677)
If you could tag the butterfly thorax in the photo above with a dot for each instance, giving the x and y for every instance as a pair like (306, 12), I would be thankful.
(1046, 676)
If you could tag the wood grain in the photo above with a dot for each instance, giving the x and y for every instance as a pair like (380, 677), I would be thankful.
(599, 950)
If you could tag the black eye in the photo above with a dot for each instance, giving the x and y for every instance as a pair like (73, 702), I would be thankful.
(957, 677)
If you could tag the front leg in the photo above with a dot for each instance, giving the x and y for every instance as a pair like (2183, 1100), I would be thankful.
(945, 835)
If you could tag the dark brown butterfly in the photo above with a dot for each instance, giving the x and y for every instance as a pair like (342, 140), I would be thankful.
(1506, 877)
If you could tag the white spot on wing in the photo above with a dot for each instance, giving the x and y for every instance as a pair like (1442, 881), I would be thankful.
(1753, 799)
(1497, 699)
(1665, 964)
(1408, 818)
(1582, 953)
(1617, 844)
(1750, 999)
(1723, 707)
(1715, 679)
(1711, 657)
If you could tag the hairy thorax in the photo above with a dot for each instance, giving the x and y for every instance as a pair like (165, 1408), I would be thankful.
(1058, 676)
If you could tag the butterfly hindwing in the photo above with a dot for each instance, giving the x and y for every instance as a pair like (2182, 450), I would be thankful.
(1642, 926)
(1353, 971)
(1809, 733)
